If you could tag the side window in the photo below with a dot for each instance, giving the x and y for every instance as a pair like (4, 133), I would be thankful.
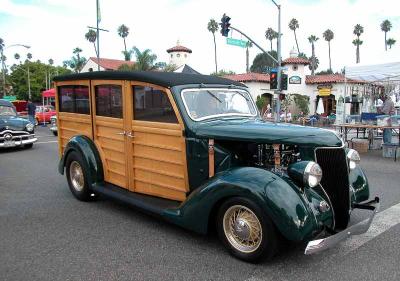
(152, 105)
(108, 100)
(74, 99)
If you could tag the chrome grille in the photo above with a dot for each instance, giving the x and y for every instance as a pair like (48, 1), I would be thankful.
(335, 181)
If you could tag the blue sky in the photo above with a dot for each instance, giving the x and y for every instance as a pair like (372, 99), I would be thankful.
(54, 27)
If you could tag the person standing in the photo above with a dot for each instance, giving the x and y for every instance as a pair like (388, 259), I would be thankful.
(31, 108)
(387, 109)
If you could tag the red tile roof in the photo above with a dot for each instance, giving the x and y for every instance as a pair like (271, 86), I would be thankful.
(296, 61)
(110, 63)
(330, 78)
(179, 48)
(249, 77)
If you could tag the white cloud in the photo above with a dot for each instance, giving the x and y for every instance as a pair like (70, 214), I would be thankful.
(54, 27)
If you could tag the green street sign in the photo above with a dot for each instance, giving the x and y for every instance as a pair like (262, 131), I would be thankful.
(10, 98)
(236, 42)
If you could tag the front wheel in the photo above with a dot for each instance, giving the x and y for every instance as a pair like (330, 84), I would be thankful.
(245, 230)
(77, 177)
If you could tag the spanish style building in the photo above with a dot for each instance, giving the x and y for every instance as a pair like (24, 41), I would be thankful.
(105, 64)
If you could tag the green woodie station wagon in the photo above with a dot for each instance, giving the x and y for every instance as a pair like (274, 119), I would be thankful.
(193, 150)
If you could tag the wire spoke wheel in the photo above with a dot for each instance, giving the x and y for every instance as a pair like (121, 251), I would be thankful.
(76, 176)
(242, 228)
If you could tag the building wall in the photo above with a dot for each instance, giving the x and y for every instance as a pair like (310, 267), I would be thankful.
(90, 65)
(300, 71)
(179, 58)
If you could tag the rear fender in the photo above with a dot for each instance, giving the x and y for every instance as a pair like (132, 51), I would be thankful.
(92, 161)
(280, 199)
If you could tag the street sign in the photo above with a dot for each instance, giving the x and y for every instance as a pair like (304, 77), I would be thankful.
(236, 42)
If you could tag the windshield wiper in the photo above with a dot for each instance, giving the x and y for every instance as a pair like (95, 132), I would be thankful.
(243, 95)
(214, 96)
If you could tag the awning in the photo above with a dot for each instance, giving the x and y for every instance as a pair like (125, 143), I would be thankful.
(374, 73)
(51, 93)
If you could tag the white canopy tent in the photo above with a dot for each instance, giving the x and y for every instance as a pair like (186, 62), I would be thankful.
(374, 73)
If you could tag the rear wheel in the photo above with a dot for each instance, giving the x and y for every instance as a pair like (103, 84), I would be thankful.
(77, 177)
(55, 133)
(29, 145)
(245, 230)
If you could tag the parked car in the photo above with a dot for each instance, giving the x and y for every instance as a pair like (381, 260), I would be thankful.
(53, 124)
(20, 106)
(44, 113)
(193, 150)
(14, 130)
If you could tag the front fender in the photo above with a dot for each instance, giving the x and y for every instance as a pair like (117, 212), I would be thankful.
(359, 182)
(92, 161)
(280, 199)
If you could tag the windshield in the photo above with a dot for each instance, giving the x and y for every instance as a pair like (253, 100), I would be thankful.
(7, 111)
(201, 104)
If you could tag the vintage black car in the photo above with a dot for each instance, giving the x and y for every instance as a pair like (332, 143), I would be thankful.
(14, 130)
(193, 150)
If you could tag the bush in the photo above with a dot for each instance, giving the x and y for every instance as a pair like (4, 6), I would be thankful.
(302, 102)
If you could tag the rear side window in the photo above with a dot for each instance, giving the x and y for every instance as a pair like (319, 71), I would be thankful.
(152, 105)
(109, 100)
(74, 99)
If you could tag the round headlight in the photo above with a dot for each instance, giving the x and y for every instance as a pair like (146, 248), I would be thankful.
(312, 174)
(29, 127)
(354, 158)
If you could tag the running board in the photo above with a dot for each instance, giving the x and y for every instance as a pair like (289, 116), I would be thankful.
(150, 204)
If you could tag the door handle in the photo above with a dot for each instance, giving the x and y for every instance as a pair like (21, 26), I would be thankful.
(130, 135)
(122, 133)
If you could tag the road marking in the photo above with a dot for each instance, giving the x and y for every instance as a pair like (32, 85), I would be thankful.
(45, 142)
(382, 222)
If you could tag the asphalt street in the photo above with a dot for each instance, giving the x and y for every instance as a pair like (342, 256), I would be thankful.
(46, 234)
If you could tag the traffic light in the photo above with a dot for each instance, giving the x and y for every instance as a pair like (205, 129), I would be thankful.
(284, 81)
(273, 80)
(225, 25)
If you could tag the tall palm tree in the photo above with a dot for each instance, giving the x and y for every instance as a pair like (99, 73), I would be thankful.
(29, 56)
(293, 25)
(123, 31)
(386, 25)
(91, 36)
(77, 63)
(212, 26)
(390, 42)
(51, 61)
(249, 45)
(271, 34)
(144, 60)
(328, 36)
(17, 56)
(358, 30)
(312, 39)
(357, 42)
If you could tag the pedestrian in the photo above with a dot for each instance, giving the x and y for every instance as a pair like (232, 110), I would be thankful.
(31, 108)
(388, 109)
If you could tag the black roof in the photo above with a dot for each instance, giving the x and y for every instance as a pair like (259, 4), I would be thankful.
(165, 79)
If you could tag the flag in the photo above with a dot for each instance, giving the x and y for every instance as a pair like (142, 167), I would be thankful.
(98, 11)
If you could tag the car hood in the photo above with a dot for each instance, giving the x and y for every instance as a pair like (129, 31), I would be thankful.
(255, 130)
(12, 123)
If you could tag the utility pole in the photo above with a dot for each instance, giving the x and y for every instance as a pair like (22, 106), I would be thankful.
(279, 74)
(29, 85)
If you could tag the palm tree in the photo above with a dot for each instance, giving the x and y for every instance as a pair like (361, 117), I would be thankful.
(29, 56)
(328, 36)
(312, 39)
(144, 60)
(212, 26)
(77, 63)
(17, 56)
(386, 25)
(293, 25)
(51, 61)
(91, 36)
(390, 42)
(357, 42)
(314, 63)
(358, 30)
(249, 45)
(271, 34)
(123, 31)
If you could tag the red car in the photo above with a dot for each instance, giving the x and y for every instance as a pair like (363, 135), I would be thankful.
(43, 114)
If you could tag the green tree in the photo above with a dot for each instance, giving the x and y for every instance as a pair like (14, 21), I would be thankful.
(223, 72)
(386, 25)
(212, 26)
(314, 63)
(261, 102)
(328, 36)
(91, 36)
(145, 61)
(262, 63)
(302, 102)
(271, 35)
(312, 39)
(29, 56)
(358, 30)
(3, 71)
(123, 32)
(248, 46)
(390, 42)
(302, 55)
(17, 56)
(51, 61)
(293, 25)
(76, 62)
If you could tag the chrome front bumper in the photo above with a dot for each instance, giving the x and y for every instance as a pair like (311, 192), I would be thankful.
(17, 140)
(53, 128)
(316, 246)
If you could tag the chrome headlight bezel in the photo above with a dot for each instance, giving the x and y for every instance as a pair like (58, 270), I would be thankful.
(353, 158)
(312, 174)
(29, 127)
